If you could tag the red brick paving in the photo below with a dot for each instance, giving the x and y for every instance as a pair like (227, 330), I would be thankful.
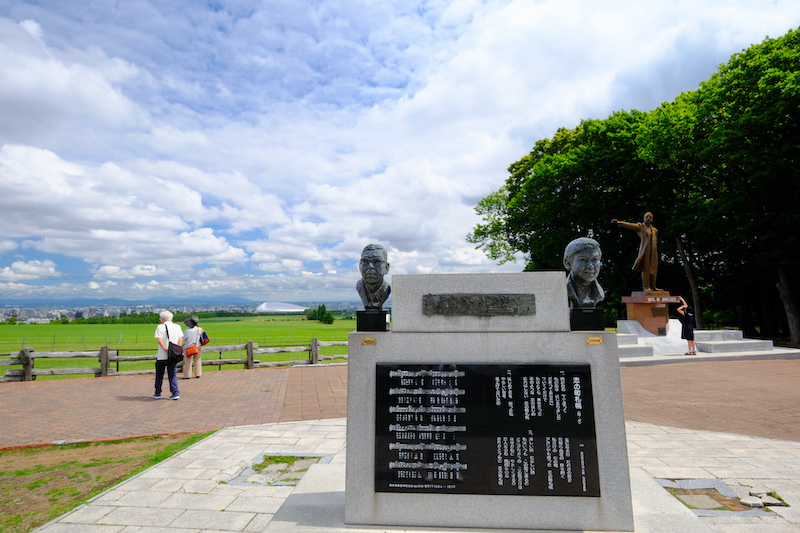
(759, 398)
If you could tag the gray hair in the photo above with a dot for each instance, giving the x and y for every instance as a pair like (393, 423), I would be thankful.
(377, 248)
(166, 315)
(578, 245)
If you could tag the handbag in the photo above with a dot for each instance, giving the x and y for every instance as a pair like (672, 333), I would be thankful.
(204, 339)
(174, 351)
(192, 350)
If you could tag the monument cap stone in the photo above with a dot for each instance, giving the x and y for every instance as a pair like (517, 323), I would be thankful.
(505, 302)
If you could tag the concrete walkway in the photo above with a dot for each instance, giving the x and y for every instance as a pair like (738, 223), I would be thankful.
(201, 490)
(669, 410)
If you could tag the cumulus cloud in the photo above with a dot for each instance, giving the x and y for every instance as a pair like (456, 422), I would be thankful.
(7, 246)
(40, 92)
(256, 149)
(27, 270)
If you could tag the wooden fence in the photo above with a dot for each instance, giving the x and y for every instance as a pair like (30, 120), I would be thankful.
(109, 359)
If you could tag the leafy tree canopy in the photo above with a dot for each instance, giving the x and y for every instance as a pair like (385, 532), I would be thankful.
(717, 167)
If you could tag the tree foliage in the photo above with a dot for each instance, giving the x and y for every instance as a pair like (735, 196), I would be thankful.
(321, 314)
(717, 167)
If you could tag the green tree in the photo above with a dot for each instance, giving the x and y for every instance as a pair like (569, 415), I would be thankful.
(717, 167)
(321, 314)
(736, 141)
(571, 186)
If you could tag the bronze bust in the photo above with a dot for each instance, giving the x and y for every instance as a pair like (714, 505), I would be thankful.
(582, 257)
(371, 287)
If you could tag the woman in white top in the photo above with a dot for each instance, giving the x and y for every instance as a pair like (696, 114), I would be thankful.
(191, 337)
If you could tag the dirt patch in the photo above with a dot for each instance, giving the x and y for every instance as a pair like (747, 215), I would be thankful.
(275, 470)
(39, 484)
(725, 503)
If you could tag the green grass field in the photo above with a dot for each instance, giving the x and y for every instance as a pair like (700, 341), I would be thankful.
(138, 339)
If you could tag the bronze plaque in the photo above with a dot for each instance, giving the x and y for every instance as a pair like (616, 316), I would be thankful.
(479, 304)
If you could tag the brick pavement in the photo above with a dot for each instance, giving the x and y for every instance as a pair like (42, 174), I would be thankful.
(41, 412)
(760, 398)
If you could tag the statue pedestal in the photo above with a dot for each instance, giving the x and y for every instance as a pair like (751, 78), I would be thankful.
(650, 309)
(371, 320)
(586, 319)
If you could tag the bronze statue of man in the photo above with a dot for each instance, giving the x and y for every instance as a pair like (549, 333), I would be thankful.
(371, 287)
(647, 260)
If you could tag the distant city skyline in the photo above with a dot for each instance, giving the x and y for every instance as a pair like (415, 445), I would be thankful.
(249, 148)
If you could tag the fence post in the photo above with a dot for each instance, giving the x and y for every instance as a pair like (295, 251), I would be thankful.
(104, 361)
(27, 364)
(249, 364)
(314, 351)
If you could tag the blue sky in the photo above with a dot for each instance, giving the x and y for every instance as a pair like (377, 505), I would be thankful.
(169, 148)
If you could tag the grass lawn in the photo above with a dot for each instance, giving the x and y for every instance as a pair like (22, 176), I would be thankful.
(138, 339)
(39, 484)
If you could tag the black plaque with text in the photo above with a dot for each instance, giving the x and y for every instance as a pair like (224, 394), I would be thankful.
(485, 429)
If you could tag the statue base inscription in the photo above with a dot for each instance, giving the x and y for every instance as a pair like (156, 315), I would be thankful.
(650, 309)
(371, 320)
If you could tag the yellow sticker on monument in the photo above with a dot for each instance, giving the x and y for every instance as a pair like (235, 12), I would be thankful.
(593, 341)
(369, 341)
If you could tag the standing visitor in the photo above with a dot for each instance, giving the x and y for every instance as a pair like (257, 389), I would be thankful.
(191, 348)
(167, 332)
(686, 316)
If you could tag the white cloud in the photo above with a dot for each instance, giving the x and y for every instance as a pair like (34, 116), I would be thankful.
(7, 246)
(232, 151)
(40, 92)
(27, 270)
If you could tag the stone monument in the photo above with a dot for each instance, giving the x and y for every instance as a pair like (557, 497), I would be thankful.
(482, 409)
(583, 259)
(372, 288)
(648, 307)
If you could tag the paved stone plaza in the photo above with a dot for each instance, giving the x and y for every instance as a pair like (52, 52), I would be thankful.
(753, 408)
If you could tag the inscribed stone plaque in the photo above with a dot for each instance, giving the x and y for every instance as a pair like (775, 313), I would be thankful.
(479, 304)
(485, 429)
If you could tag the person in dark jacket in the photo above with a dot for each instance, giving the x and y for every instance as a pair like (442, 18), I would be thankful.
(686, 317)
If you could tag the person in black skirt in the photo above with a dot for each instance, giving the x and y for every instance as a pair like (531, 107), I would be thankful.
(686, 317)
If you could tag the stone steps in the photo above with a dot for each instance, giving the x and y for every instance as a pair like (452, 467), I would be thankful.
(635, 350)
(634, 341)
(728, 346)
(712, 335)
(626, 339)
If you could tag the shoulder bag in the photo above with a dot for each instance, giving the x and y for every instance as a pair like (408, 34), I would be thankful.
(194, 349)
(174, 351)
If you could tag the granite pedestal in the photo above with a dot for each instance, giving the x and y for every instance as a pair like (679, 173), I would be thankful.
(650, 309)
(468, 324)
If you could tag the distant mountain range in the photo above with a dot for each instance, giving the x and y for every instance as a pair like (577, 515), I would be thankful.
(120, 302)
(167, 303)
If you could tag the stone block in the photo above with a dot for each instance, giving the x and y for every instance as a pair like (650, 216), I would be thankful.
(612, 511)
(549, 290)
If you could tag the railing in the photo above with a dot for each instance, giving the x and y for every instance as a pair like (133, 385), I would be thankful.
(109, 360)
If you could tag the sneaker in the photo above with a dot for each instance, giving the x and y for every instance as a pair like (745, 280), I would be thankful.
(156, 396)
(174, 397)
